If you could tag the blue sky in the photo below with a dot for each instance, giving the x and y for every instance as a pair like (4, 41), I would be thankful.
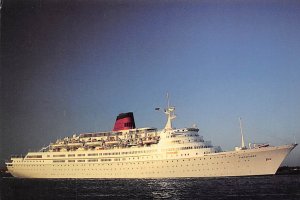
(73, 66)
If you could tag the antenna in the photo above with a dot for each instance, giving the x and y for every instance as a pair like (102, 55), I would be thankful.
(242, 135)
(168, 100)
(169, 111)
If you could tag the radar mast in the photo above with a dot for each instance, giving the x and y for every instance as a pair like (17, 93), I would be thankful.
(169, 111)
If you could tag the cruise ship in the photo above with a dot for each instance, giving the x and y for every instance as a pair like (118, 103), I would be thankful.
(130, 152)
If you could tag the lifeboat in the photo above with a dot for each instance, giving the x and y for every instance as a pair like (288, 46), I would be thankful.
(58, 145)
(77, 144)
(96, 143)
(115, 142)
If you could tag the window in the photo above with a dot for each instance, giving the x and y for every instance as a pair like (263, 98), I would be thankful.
(93, 154)
(106, 159)
(58, 161)
(93, 160)
(35, 156)
(61, 155)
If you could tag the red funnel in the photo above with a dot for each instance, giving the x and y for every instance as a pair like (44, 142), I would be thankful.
(124, 121)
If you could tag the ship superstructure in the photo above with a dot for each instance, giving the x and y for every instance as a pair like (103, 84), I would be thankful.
(130, 152)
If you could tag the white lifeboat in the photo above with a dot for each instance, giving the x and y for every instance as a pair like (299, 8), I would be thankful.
(112, 142)
(77, 144)
(97, 143)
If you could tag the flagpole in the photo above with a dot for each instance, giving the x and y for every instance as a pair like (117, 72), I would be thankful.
(168, 100)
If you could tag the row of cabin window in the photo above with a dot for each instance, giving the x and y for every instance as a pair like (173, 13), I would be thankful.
(108, 159)
(92, 160)
(185, 148)
(100, 154)
(118, 153)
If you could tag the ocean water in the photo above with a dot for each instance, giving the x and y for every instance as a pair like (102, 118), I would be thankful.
(258, 187)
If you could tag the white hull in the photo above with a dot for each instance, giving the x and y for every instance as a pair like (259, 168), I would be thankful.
(259, 161)
(146, 153)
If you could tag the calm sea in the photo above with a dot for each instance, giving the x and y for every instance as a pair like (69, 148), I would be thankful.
(259, 187)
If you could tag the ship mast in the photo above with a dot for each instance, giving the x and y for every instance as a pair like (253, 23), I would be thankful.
(242, 134)
(170, 114)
